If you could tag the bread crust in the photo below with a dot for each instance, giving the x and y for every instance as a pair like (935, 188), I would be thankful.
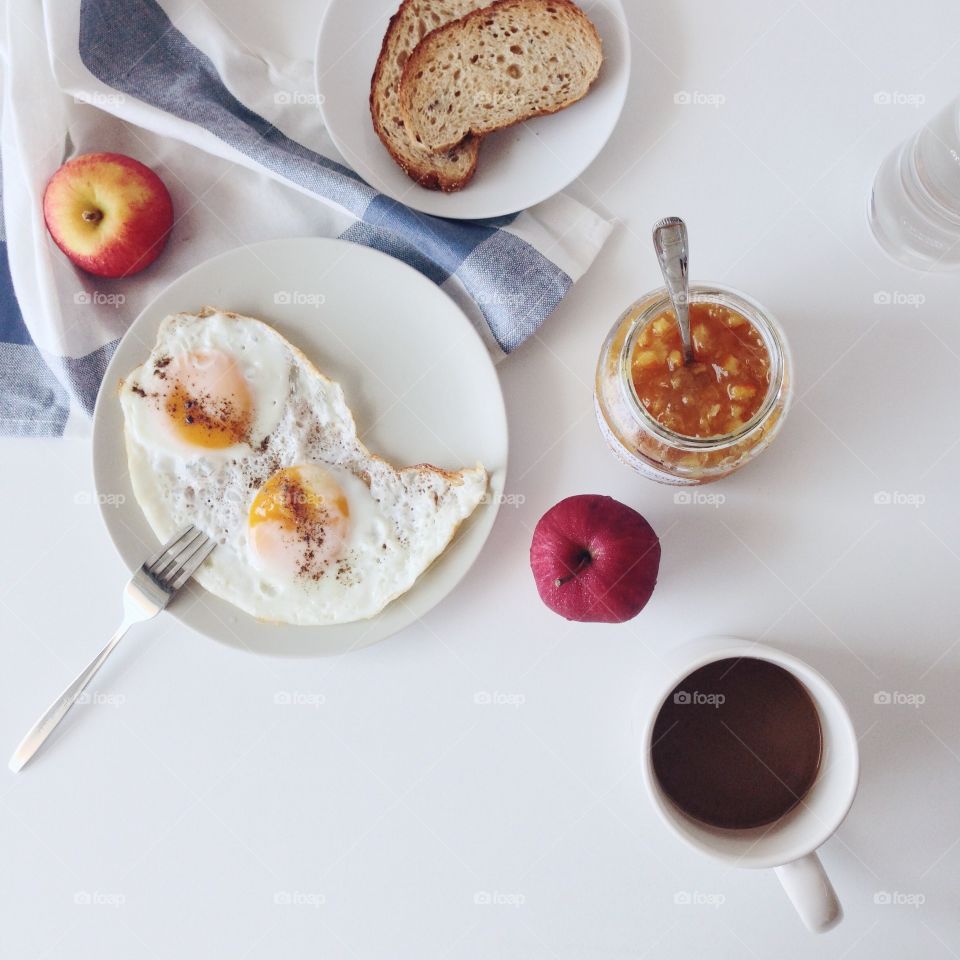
(415, 59)
(433, 178)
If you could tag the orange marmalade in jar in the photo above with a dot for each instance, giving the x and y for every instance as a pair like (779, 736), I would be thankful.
(689, 424)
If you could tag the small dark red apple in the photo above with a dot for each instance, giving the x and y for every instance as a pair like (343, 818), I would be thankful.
(594, 559)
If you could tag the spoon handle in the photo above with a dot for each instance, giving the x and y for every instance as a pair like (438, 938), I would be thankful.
(673, 252)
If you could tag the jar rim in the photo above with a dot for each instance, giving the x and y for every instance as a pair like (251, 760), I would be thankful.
(658, 300)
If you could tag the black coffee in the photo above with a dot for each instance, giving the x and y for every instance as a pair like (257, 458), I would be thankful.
(737, 744)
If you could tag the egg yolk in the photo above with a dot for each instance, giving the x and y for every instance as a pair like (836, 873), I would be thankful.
(208, 401)
(299, 521)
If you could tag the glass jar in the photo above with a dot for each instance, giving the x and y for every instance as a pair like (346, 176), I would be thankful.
(915, 202)
(652, 449)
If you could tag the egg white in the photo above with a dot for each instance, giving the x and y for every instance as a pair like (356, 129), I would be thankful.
(260, 355)
(400, 519)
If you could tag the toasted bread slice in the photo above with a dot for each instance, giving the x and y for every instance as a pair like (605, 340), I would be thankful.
(498, 66)
(449, 170)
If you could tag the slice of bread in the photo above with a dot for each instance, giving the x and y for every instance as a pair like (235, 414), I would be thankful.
(448, 170)
(498, 66)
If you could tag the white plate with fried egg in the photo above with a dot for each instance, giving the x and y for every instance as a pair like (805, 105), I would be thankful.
(330, 417)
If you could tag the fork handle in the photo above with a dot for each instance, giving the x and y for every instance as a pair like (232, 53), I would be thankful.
(42, 729)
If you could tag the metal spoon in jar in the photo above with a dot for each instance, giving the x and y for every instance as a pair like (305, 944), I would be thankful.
(673, 252)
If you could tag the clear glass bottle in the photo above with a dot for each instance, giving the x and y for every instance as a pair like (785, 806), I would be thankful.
(915, 203)
(646, 445)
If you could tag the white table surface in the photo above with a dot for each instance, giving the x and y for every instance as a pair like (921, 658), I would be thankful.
(174, 812)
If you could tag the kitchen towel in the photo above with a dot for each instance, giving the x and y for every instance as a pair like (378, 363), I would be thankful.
(236, 135)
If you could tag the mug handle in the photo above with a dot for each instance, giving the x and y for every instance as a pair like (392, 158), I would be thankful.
(810, 891)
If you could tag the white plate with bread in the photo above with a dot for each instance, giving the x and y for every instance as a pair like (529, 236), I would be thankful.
(470, 109)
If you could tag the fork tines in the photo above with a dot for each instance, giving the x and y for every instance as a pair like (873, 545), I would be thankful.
(179, 559)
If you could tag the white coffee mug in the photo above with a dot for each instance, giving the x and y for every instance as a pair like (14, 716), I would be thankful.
(789, 845)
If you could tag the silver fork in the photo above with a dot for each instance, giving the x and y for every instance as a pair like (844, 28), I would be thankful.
(150, 589)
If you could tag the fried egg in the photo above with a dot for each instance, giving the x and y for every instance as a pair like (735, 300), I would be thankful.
(231, 428)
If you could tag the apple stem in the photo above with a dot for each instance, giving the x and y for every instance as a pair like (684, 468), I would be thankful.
(584, 561)
(92, 216)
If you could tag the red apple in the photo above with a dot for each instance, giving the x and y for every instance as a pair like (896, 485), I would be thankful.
(108, 213)
(594, 559)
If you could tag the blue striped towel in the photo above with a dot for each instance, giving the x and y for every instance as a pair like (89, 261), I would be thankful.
(236, 136)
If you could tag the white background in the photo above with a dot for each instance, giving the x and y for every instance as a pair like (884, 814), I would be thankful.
(188, 801)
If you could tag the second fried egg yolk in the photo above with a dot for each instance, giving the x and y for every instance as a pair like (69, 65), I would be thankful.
(299, 521)
(208, 402)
